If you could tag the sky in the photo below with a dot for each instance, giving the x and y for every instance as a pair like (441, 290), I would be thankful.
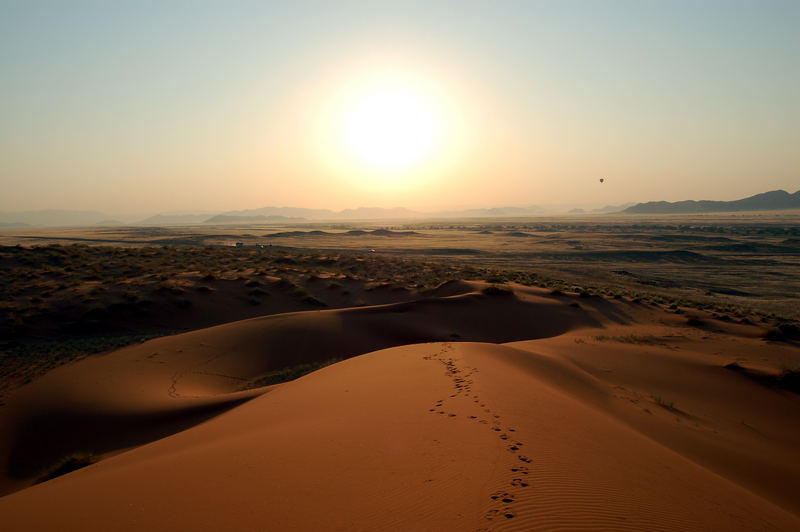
(173, 106)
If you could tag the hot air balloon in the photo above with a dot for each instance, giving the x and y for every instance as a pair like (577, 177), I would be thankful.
(602, 179)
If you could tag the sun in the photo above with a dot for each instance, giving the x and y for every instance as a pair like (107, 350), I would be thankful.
(391, 128)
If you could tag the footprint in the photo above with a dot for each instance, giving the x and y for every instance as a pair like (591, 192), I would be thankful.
(451, 415)
(503, 436)
(519, 483)
(513, 448)
(525, 459)
(503, 496)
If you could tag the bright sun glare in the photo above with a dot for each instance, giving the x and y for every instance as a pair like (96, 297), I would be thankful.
(391, 128)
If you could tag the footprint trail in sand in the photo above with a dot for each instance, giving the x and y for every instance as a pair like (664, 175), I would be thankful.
(501, 502)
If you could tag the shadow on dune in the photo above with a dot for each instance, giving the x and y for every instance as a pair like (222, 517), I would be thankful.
(45, 438)
(274, 342)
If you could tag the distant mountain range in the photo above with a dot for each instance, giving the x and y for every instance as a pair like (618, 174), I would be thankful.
(53, 218)
(767, 201)
(175, 219)
(251, 219)
(298, 213)
(608, 209)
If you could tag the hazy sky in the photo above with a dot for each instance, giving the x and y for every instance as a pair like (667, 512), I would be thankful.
(180, 106)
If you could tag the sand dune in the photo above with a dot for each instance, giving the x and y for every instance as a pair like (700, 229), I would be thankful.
(611, 415)
(158, 382)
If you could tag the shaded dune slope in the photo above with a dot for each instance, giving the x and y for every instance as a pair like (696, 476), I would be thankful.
(436, 436)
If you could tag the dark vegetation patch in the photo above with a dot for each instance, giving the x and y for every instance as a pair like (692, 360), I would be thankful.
(696, 321)
(289, 373)
(498, 290)
(21, 362)
(783, 332)
(788, 379)
(433, 251)
(686, 238)
(354, 232)
(68, 464)
(675, 256)
(753, 247)
(637, 339)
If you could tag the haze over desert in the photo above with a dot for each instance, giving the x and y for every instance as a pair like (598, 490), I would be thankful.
(418, 266)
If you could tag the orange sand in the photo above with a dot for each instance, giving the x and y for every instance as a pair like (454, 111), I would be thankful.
(511, 416)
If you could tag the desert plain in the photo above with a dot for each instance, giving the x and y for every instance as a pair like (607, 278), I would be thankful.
(538, 374)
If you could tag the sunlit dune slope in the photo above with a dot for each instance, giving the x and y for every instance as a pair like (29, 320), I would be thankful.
(439, 436)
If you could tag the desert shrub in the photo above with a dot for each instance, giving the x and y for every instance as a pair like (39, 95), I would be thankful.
(643, 339)
(498, 290)
(783, 332)
(130, 295)
(790, 379)
(285, 282)
(660, 401)
(289, 373)
(68, 464)
(695, 321)
(311, 300)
